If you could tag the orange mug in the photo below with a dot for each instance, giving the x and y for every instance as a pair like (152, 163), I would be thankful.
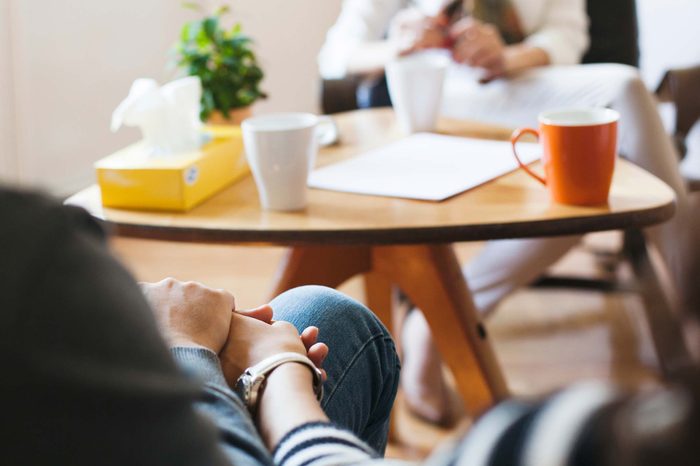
(580, 146)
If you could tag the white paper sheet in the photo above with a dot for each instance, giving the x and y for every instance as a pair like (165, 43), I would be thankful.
(424, 166)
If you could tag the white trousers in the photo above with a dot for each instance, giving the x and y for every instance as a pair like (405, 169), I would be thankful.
(505, 265)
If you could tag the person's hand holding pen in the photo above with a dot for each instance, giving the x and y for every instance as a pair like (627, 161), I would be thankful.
(413, 31)
(470, 41)
(479, 45)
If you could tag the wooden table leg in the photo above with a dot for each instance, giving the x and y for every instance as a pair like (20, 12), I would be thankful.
(331, 266)
(431, 276)
(379, 297)
(321, 265)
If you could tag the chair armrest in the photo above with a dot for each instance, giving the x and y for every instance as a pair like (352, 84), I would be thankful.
(680, 86)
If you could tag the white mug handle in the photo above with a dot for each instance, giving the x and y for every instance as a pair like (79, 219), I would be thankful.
(326, 131)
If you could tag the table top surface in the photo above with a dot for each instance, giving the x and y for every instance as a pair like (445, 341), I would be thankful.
(511, 206)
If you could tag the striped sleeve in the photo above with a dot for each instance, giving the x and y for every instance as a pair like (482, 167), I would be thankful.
(322, 444)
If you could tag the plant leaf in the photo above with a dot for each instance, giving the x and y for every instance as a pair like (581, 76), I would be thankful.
(222, 10)
(210, 26)
(192, 6)
(224, 61)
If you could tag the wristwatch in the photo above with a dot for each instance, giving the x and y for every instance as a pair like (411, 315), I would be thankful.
(251, 383)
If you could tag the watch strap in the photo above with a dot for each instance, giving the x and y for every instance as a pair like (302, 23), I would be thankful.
(252, 381)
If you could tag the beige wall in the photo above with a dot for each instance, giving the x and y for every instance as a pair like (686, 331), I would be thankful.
(73, 61)
(288, 35)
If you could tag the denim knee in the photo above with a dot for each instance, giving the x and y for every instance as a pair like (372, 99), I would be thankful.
(362, 365)
(327, 309)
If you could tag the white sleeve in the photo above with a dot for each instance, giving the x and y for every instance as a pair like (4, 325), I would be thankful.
(359, 21)
(563, 33)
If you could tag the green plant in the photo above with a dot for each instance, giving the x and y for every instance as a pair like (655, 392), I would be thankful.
(223, 60)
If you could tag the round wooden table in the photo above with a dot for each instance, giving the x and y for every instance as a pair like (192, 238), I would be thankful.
(401, 242)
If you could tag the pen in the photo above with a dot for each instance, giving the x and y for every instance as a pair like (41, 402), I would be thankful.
(450, 14)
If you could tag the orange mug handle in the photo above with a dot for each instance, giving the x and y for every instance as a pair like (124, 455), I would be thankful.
(517, 134)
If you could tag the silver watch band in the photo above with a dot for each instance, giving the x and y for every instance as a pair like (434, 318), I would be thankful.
(251, 383)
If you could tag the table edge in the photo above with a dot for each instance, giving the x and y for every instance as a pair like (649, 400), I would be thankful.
(402, 235)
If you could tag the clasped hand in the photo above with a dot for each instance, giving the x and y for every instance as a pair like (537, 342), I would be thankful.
(470, 41)
(193, 315)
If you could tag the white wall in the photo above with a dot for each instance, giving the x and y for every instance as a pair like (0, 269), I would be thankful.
(288, 35)
(669, 36)
(73, 61)
(8, 153)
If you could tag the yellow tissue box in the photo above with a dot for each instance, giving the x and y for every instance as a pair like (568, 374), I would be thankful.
(132, 179)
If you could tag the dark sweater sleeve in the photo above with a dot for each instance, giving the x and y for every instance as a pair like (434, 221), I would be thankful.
(239, 437)
(87, 378)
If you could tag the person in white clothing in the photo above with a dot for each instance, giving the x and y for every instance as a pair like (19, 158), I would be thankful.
(370, 33)
(528, 53)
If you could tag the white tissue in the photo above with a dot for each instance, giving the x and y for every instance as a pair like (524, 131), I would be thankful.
(167, 116)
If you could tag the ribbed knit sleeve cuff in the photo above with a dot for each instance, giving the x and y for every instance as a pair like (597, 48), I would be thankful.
(321, 443)
(201, 364)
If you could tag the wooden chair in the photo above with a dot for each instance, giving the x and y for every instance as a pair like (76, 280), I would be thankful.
(681, 86)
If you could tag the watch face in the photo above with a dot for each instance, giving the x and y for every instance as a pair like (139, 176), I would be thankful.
(242, 388)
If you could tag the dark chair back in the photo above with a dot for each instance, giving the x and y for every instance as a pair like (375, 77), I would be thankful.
(614, 39)
(339, 95)
(613, 31)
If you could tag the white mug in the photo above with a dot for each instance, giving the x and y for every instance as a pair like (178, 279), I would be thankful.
(281, 150)
(415, 85)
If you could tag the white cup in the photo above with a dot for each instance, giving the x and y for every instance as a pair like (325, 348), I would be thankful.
(415, 86)
(281, 150)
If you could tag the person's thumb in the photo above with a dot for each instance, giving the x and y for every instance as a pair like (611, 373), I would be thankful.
(262, 313)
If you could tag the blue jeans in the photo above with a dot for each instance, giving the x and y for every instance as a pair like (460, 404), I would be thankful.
(362, 365)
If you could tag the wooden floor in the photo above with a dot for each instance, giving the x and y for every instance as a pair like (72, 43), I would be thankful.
(543, 338)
